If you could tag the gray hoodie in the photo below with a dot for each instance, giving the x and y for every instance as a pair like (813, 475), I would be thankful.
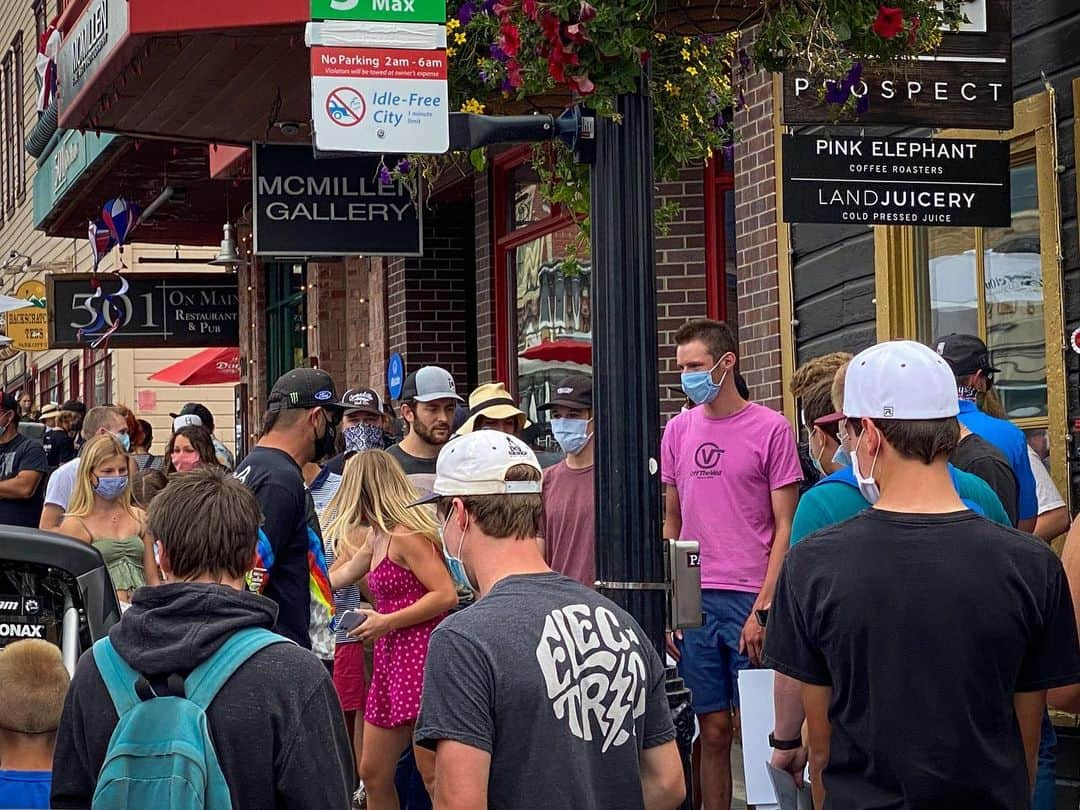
(277, 726)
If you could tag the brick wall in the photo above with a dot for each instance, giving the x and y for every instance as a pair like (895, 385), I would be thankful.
(485, 302)
(428, 298)
(755, 224)
(680, 275)
(326, 315)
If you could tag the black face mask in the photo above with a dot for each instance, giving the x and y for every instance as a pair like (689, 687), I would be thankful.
(324, 446)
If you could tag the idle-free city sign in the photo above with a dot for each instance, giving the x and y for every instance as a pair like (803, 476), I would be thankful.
(966, 84)
(330, 206)
(380, 100)
(406, 11)
(896, 181)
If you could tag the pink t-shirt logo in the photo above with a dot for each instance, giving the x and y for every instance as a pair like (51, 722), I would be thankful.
(707, 457)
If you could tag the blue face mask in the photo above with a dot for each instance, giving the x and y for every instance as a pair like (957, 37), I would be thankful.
(699, 386)
(363, 437)
(842, 456)
(571, 434)
(125, 441)
(454, 563)
(111, 487)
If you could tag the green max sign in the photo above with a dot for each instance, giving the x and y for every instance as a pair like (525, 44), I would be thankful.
(406, 11)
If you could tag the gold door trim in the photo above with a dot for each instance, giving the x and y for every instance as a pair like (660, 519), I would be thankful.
(786, 291)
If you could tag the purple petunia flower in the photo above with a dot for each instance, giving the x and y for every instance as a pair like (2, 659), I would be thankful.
(465, 13)
(384, 176)
(744, 59)
(507, 86)
(855, 74)
(403, 166)
(499, 54)
(837, 92)
(863, 104)
(489, 5)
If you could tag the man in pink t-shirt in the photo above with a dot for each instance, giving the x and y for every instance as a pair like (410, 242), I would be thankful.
(732, 470)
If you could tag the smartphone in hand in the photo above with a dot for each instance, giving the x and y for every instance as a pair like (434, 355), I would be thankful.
(350, 620)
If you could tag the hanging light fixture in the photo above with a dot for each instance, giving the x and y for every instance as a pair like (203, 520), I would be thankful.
(227, 255)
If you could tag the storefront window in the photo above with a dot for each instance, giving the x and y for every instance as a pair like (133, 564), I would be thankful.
(286, 318)
(989, 282)
(98, 377)
(721, 291)
(51, 384)
(544, 315)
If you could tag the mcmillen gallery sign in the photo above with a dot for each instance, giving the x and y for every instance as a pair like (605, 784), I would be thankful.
(896, 181)
(330, 206)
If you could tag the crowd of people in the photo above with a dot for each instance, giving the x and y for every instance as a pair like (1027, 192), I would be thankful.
(433, 572)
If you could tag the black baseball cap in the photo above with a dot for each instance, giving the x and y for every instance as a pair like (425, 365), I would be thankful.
(199, 410)
(365, 400)
(574, 391)
(304, 388)
(74, 406)
(965, 354)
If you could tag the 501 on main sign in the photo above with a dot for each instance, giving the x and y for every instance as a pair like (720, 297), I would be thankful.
(156, 311)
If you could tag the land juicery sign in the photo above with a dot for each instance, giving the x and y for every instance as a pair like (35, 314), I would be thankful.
(896, 181)
(330, 206)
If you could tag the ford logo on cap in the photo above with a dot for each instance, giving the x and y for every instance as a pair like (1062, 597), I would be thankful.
(322, 396)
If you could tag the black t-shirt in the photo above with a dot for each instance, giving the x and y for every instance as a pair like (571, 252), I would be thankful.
(278, 484)
(924, 626)
(979, 457)
(59, 447)
(19, 455)
(420, 471)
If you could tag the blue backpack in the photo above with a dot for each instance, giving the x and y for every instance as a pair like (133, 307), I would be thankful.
(160, 755)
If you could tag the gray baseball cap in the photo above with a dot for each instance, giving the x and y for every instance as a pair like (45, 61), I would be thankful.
(429, 384)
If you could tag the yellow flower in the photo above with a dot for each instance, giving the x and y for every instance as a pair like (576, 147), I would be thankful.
(660, 37)
(451, 52)
(452, 24)
(686, 40)
(685, 54)
(472, 106)
(685, 120)
(692, 70)
(459, 37)
(669, 86)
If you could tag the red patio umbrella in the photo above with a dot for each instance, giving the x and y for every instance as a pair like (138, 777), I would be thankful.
(205, 368)
(567, 350)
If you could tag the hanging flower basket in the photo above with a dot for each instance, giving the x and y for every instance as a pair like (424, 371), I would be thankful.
(519, 56)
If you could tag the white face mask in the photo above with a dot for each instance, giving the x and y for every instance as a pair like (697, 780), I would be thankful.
(867, 486)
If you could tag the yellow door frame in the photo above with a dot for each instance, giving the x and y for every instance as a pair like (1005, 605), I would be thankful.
(896, 271)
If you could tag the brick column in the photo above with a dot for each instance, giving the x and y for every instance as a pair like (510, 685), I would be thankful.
(755, 225)
(326, 317)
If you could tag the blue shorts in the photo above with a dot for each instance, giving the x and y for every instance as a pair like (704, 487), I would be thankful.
(711, 660)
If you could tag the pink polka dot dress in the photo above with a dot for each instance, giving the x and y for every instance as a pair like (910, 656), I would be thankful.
(397, 680)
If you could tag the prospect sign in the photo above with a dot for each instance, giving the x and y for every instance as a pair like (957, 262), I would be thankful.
(967, 83)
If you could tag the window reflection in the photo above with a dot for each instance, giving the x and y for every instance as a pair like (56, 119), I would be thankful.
(954, 306)
(553, 316)
(1015, 333)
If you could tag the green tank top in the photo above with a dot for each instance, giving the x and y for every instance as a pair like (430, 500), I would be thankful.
(124, 559)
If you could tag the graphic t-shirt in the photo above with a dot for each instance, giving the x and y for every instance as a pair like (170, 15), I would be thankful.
(570, 522)
(22, 790)
(59, 447)
(558, 684)
(275, 479)
(924, 626)
(726, 470)
(1010, 440)
(979, 457)
(16, 456)
(420, 471)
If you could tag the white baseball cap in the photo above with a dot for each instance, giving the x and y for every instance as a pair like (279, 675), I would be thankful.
(186, 420)
(900, 379)
(477, 463)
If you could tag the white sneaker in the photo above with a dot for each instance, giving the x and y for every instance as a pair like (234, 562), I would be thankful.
(359, 798)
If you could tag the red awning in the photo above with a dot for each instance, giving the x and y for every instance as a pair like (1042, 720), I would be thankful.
(199, 70)
(208, 367)
(560, 351)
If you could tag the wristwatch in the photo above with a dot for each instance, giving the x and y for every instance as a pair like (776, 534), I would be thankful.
(784, 745)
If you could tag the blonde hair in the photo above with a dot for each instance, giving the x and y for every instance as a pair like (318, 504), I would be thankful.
(816, 370)
(95, 452)
(375, 492)
(35, 684)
